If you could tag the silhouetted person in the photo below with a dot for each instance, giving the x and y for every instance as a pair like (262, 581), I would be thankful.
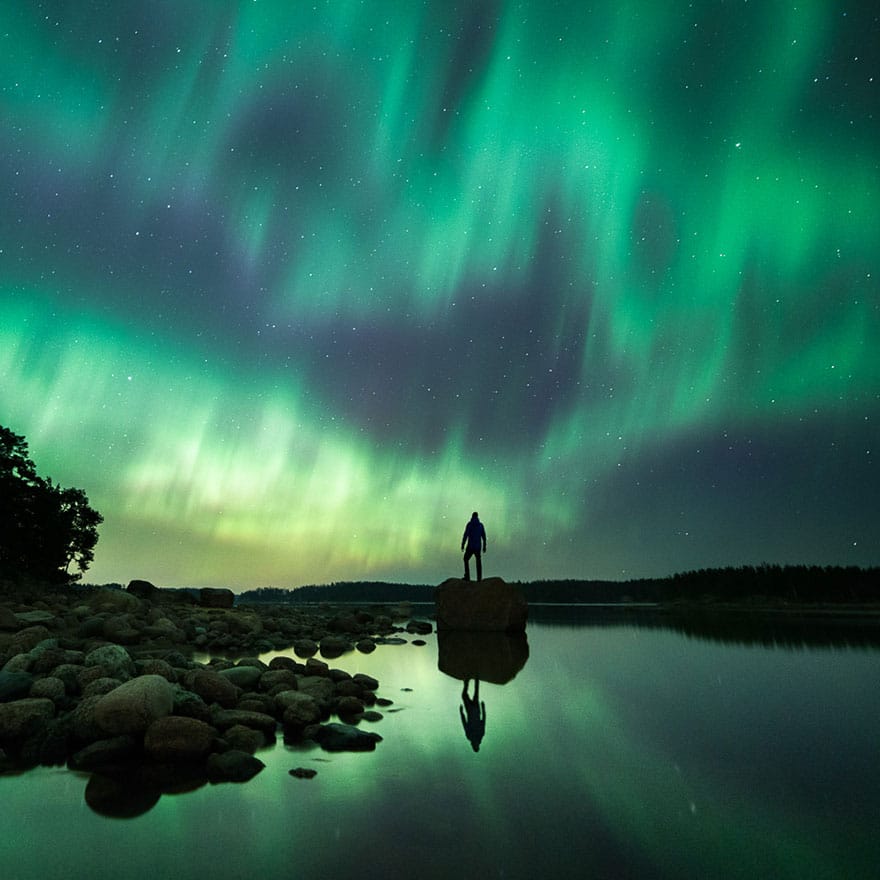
(473, 715)
(475, 538)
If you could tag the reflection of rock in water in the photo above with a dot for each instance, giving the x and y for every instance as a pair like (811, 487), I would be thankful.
(118, 798)
(488, 656)
(123, 792)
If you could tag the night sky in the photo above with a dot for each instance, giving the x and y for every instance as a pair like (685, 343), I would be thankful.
(290, 289)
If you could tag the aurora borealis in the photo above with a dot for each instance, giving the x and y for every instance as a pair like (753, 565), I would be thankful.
(291, 288)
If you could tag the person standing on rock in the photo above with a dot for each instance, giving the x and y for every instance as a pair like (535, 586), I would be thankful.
(475, 538)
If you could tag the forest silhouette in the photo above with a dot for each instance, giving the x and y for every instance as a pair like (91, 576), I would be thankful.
(754, 585)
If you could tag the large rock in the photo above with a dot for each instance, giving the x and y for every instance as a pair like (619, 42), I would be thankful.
(490, 605)
(305, 647)
(28, 638)
(333, 646)
(321, 690)
(179, 739)
(36, 616)
(8, 619)
(104, 753)
(143, 590)
(298, 709)
(245, 739)
(344, 738)
(81, 720)
(223, 719)
(21, 718)
(212, 687)
(114, 659)
(51, 688)
(114, 601)
(216, 597)
(245, 677)
(276, 680)
(14, 685)
(233, 766)
(135, 705)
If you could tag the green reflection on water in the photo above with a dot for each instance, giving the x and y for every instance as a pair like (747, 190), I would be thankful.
(613, 751)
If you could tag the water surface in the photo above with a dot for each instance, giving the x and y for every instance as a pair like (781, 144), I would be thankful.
(615, 750)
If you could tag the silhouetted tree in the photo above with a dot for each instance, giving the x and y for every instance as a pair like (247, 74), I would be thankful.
(44, 528)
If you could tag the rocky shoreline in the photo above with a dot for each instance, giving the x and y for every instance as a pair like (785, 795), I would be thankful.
(117, 683)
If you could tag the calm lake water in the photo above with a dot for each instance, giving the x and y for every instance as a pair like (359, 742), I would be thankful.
(615, 750)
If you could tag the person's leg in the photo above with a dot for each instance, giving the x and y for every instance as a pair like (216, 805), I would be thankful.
(479, 566)
(467, 567)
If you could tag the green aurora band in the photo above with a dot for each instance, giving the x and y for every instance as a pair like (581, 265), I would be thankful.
(290, 290)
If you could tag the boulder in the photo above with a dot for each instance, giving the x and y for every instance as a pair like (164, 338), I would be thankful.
(46, 656)
(264, 703)
(164, 629)
(81, 721)
(344, 738)
(349, 707)
(278, 680)
(104, 753)
(48, 744)
(121, 629)
(21, 718)
(114, 600)
(100, 686)
(314, 666)
(366, 682)
(174, 738)
(245, 739)
(223, 719)
(114, 659)
(349, 688)
(17, 663)
(28, 638)
(333, 646)
(135, 705)
(49, 687)
(298, 709)
(305, 647)
(245, 677)
(212, 687)
(286, 663)
(216, 597)
(155, 666)
(321, 689)
(490, 605)
(233, 766)
(143, 590)
(190, 705)
(36, 616)
(8, 619)
(14, 685)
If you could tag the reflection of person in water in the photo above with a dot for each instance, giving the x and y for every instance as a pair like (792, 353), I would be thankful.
(473, 714)
(475, 538)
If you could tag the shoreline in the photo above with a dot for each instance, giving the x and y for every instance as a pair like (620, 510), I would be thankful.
(105, 682)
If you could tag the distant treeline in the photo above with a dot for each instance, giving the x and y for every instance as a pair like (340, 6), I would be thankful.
(781, 583)
(773, 583)
(344, 591)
